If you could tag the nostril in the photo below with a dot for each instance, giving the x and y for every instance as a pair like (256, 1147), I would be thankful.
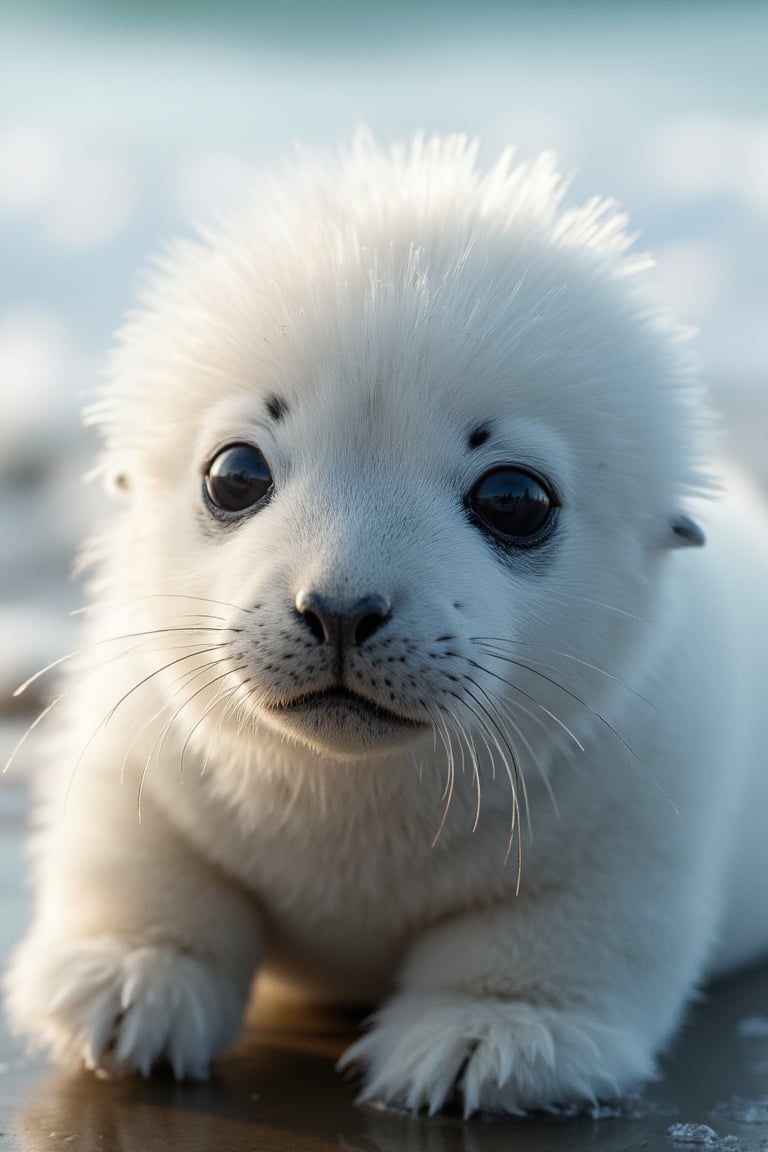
(365, 627)
(315, 624)
(343, 625)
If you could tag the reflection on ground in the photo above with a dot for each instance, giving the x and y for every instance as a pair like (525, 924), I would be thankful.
(279, 1091)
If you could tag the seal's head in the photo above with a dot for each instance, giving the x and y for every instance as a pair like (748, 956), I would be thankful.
(413, 440)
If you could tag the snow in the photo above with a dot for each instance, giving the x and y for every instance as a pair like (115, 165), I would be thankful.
(698, 1135)
(95, 201)
(39, 369)
(73, 197)
(753, 1028)
(698, 157)
(744, 1111)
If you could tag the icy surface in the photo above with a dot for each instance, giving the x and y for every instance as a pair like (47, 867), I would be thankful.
(622, 1108)
(744, 1111)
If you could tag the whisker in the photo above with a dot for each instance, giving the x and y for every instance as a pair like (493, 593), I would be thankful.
(188, 681)
(157, 672)
(120, 601)
(448, 790)
(61, 696)
(484, 718)
(513, 774)
(157, 745)
(206, 711)
(232, 699)
(497, 718)
(476, 764)
(179, 683)
(504, 709)
(445, 737)
(114, 640)
(41, 672)
(527, 695)
(601, 604)
(574, 696)
(465, 738)
(567, 691)
(508, 743)
(38, 720)
(106, 719)
(486, 643)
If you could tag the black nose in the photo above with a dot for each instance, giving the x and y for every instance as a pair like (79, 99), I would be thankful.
(339, 624)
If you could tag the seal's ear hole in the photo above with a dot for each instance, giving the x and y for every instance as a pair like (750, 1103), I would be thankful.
(685, 532)
(117, 484)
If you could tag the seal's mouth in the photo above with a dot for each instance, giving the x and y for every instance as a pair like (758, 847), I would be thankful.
(337, 720)
(338, 703)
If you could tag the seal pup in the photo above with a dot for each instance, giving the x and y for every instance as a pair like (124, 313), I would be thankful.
(406, 676)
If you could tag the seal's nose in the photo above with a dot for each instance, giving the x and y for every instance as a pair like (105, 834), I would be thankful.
(339, 624)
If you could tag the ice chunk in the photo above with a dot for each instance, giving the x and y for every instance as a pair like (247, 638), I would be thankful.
(697, 1134)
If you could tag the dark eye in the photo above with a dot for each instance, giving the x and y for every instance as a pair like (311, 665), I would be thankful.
(512, 504)
(238, 478)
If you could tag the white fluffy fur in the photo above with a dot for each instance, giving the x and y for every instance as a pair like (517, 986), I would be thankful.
(394, 301)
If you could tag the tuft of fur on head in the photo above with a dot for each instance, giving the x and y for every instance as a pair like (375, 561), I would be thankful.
(375, 258)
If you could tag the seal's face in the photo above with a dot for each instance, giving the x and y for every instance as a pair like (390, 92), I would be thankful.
(373, 576)
(427, 485)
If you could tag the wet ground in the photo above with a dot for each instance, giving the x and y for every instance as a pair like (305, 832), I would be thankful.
(279, 1092)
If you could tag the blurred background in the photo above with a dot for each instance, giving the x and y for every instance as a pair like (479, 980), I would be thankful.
(123, 124)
